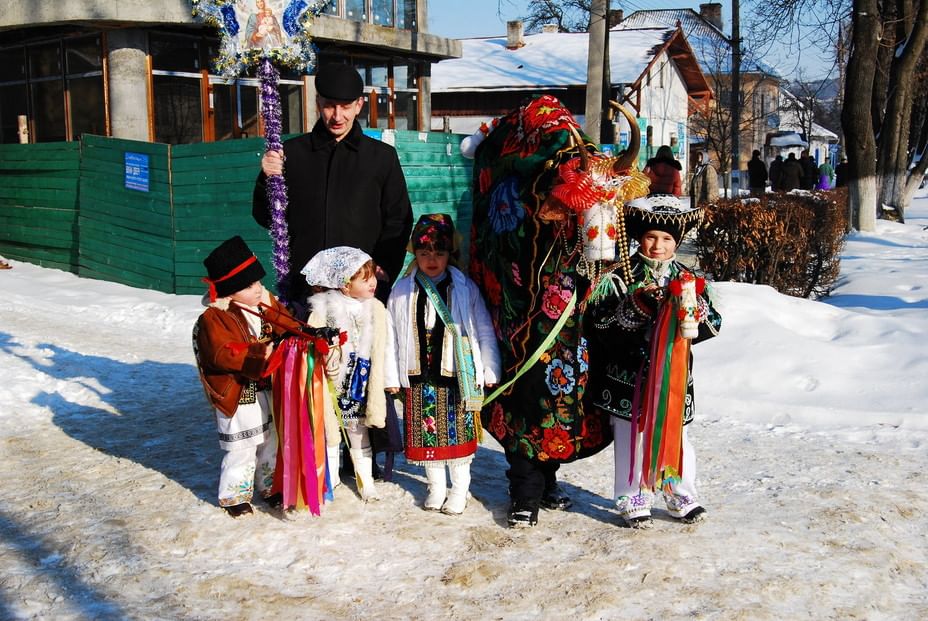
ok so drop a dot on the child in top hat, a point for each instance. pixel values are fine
(437, 315)
(641, 362)
(344, 280)
(232, 341)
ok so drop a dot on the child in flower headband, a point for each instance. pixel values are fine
(444, 356)
(642, 333)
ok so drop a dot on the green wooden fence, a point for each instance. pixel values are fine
(39, 203)
(66, 205)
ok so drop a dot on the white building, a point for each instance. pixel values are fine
(651, 70)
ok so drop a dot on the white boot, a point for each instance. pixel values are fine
(460, 484)
(438, 487)
(332, 457)
(363, 471)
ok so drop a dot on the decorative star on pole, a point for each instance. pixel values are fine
(262, 34)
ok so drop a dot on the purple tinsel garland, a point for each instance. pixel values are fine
(276, 186)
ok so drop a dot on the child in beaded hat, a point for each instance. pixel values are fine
(641, 363)
(232, 341)
(436, 312)
(344, 280)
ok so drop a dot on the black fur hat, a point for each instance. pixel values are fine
(232, 266)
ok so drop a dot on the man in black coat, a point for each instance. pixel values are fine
(809, 171)
(841, 173)
(757, 175)
(343, 188)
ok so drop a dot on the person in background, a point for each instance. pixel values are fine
(757, 175)
(664, 172)
(776, 173)
(437, 314)
(842, 170)
(809, 171)
(704, 186)
(790, 174)
(826, 177)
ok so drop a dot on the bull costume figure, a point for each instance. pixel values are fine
(547, 227)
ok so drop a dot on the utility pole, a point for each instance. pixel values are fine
(594, 69)
(735, 97)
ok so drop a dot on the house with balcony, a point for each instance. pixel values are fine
(141, 70)
(760, 83)
(653, 71)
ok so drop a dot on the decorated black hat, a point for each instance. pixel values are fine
(661, 212)
(339, 82)
(232, 266)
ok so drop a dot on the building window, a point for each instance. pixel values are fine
(85, 87)
(382, 13)
(355, 10)
(178, 118)
(176, 78)
(406, 97)
(13, 93)
(395, 92)
(399, 14)
(47, 92)
(406, 14)
(236, 111)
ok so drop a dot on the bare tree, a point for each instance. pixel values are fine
(886, 43)
(713, 126)
(568, 15)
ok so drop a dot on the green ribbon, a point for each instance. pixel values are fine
(549, 339)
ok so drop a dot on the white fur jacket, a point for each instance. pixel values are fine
(470, 317)
(365, 322)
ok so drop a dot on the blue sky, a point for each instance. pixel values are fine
(484, 18)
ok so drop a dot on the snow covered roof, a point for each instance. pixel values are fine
(547, 60)
(787, 139)
(711, 46)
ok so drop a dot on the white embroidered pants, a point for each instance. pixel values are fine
(635, 502)
(246, 469)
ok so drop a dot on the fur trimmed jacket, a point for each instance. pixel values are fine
(365, 323)
(470, 316)
(229, 356)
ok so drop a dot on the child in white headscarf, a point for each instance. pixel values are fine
(344, 280)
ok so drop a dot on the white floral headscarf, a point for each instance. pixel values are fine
(333, 267)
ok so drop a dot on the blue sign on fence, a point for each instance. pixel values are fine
(136, 171)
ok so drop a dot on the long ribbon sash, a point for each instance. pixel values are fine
(662, 400)
(298, 413)
(471, 394)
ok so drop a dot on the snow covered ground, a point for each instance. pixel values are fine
(812, 436)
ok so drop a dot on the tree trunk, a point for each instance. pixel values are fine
(856, 117)
(895, 131)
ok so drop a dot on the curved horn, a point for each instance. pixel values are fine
(581, 147)
(630, 154)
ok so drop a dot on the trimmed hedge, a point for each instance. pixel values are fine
(791, 242)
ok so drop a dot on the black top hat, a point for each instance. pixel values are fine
(339, 82)
(232, 266)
